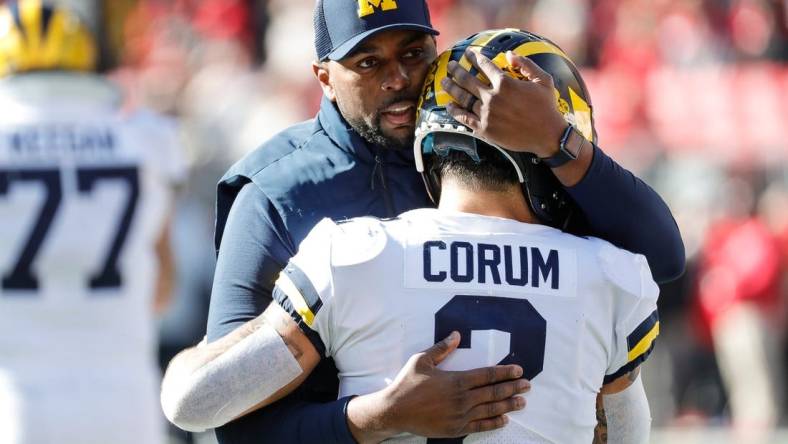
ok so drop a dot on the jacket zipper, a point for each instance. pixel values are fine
(386, 194)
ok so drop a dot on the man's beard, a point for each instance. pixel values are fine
(373, 133)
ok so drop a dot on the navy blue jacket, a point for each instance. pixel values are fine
(270, 200)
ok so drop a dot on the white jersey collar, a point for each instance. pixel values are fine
(472, 222)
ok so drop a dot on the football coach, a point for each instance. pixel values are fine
(355, 158)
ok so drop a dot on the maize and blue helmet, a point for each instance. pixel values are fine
(41, 37)
(437, 132)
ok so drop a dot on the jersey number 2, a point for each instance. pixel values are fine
(21, 276)
(526, 327)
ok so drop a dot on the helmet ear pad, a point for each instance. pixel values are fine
(432, 180)
(548, 199)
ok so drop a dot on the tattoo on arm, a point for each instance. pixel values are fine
(633, 374)
(600, 431)
(281, 324)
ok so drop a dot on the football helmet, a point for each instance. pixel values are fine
(437, 132)
(39, 37)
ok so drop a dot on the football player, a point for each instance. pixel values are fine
(488, 271)
(86, 190)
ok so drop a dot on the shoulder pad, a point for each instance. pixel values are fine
(357, 240)
(626, 270)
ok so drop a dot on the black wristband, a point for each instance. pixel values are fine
(564, 155)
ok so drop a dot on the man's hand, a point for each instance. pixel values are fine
(519, 114)
(426, 401)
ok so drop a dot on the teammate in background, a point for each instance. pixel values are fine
(355, 159)
(567, 312)
(86, 191)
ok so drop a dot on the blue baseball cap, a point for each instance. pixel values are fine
(341, 25)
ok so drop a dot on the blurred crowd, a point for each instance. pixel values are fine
(689, 94)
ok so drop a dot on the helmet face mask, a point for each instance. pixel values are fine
(39, 37)
(546, 197)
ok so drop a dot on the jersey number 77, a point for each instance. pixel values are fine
(21, 276)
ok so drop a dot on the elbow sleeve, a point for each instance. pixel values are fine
(175, 401)
(243, 376)
(628, 415)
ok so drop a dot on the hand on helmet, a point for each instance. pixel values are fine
(516, 114)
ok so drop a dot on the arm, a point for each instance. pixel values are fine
(621, 404)
(270, 353)
(172, 166)
(623, 412)
(636, 219)
(166, 279)
(251, 253)
(618, 206)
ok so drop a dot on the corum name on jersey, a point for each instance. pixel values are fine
(497, 264)
(54, 140)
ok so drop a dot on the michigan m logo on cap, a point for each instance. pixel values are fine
(367, 7)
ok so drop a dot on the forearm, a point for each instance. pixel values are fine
(600, 431)
(165, 283)
(367, 418)
(292, 420)
(208, 386)
(192, 359)
(628, 415)
(625, 211)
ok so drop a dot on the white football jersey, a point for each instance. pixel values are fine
(573, 312)
(85, 189)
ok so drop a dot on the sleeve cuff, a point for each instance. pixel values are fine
(590, 175)
(281, 298)
(342, 429)
(628, 367)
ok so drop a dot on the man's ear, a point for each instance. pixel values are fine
(320, 69)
